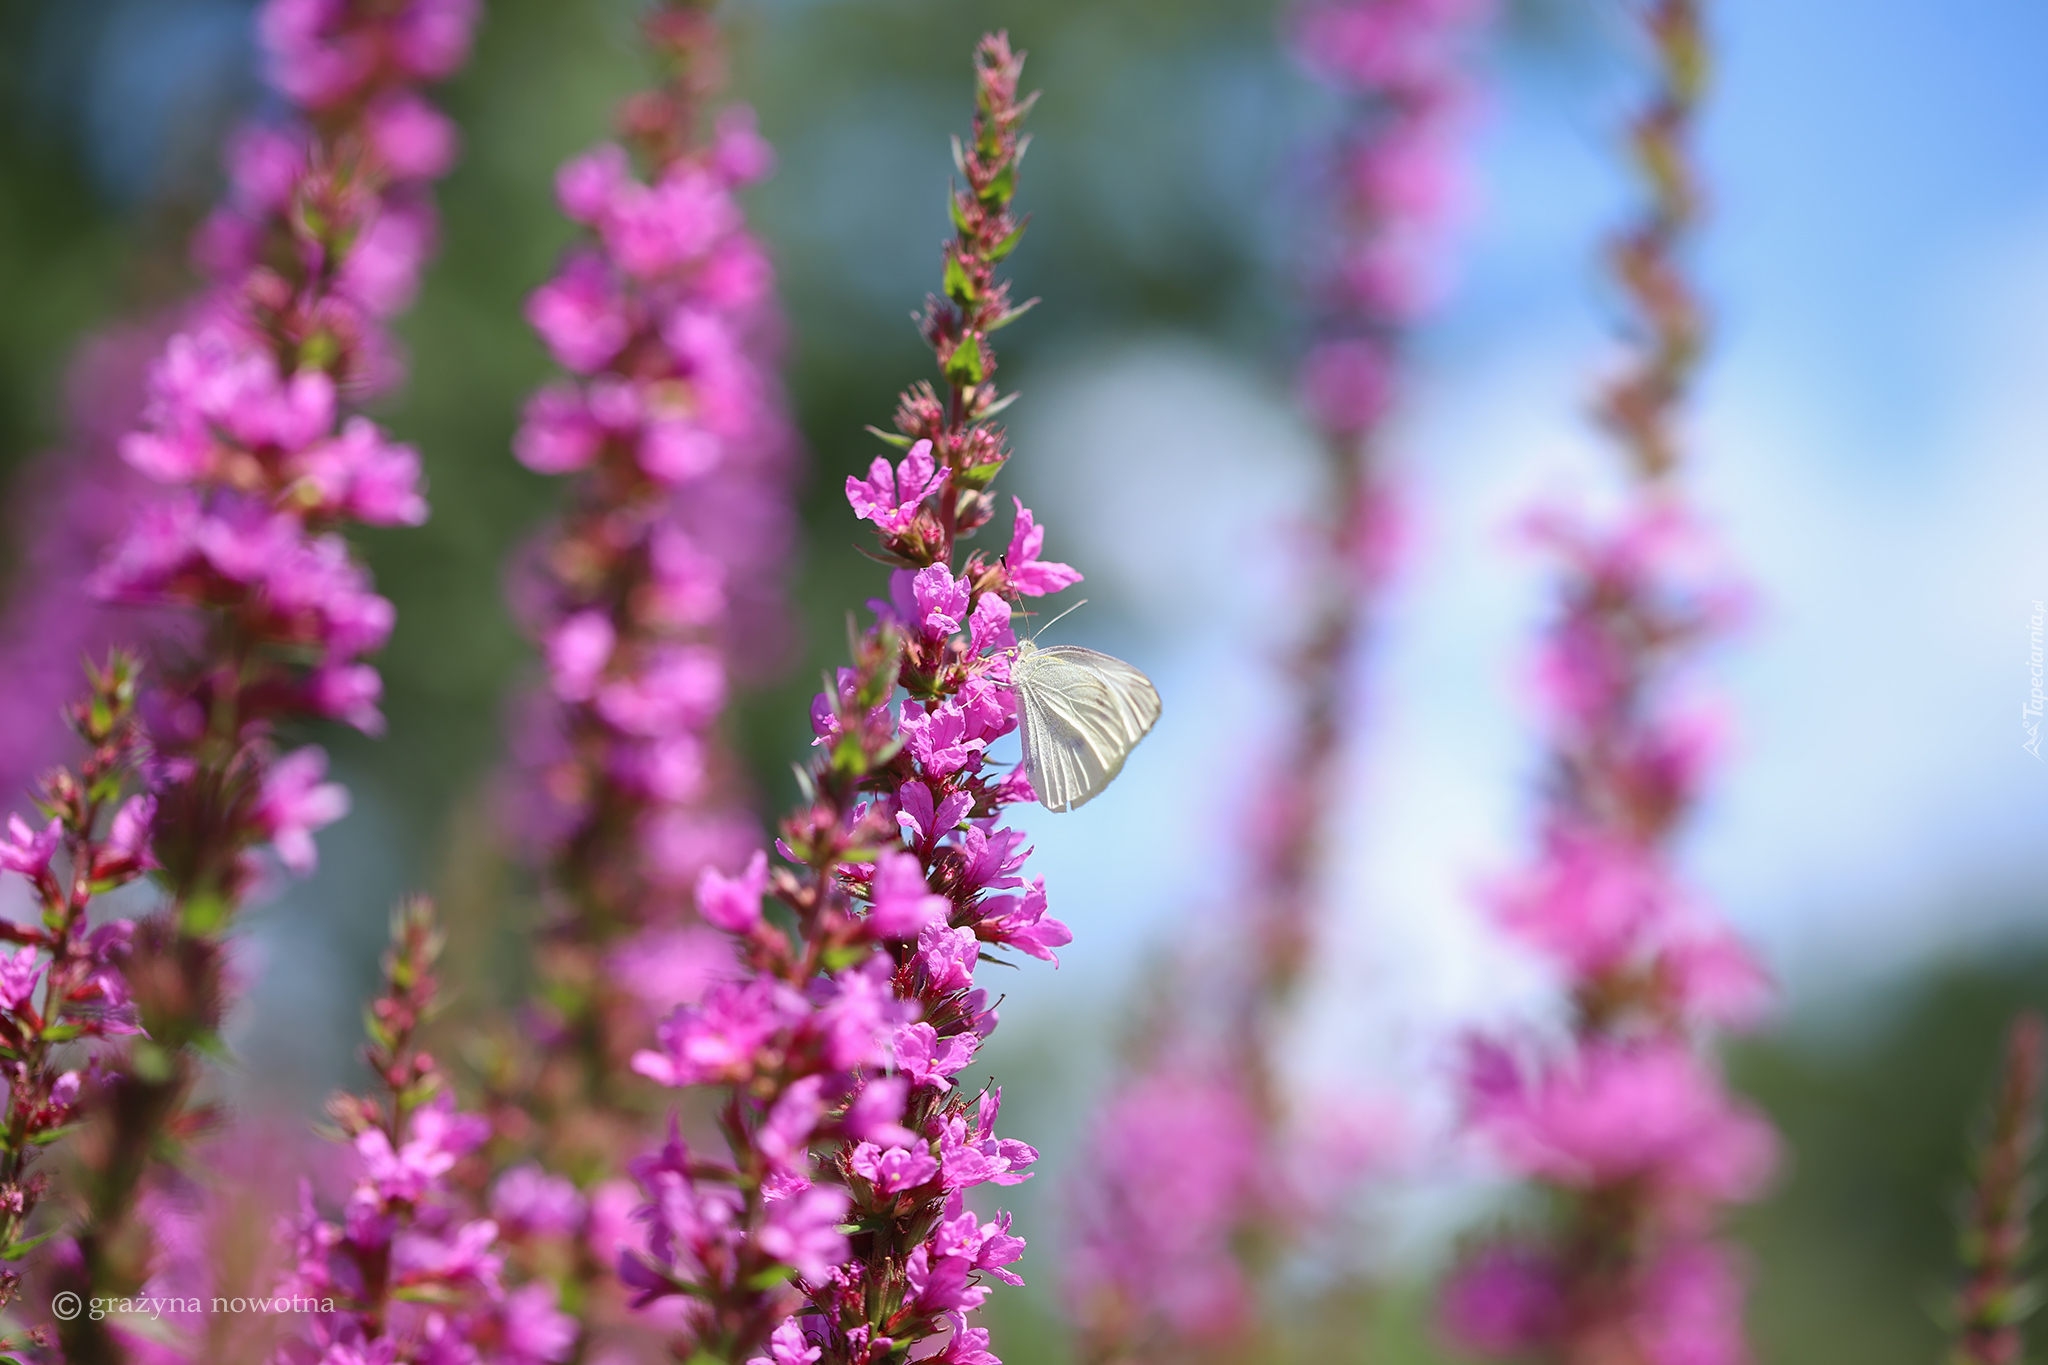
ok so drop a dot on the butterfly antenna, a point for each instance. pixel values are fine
(1057, 619)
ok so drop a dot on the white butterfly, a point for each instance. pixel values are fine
(1083, 713)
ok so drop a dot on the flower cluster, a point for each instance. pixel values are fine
(61, 979)
(1179, 1164)
(408, 1273)
(322, 236)
(1632, 1124)
(838, 1228)
(661, 584)
(1174, 1219)
(1634, 1121)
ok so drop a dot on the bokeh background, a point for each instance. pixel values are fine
(1870, 439)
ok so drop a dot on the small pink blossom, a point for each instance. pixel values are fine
(19, 973)
(902, 903)
(1030, 575)
(295, 802)
(414, 140)
(733, 903)
(718, 1040)
(894, 1170)
(579, 314)
(577, 652)
(803, 1231)
(527, 1200)
(890, 497)
(27, 850)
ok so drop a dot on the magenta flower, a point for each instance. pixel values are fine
(28, 851)
(890, 497)
(20, 972)
(295, 802)
(527, 1200)
(733, 903)
(719, 1039)
(802, 1231)
(1615, 1113)
(1030, 575)
(903, 905)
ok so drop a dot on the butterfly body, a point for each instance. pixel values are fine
(1082, 712)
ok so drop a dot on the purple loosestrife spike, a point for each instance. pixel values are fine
(62, 983)
(1198, 1182)
(409, 1271)
(1630, 1124)
(834, 1227)
(327, 222)
(1997, 1230)
(658, 592)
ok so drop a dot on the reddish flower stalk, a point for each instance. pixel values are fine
(850, 1018)
(1632, 1127)
(664, 577)
(322, 238)
(1195, 1191)
(1998, 1227)
(94, 842)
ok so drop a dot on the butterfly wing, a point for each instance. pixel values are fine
(1084, 711)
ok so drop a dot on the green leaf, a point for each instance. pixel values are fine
(955, 207)
(58, 1134)
(900, 441)
(15, 1251)
(1019, 311)
(958, 284)
(62, 1033)
(772, 1276)
(1002, 188)
(1007, 245)
(151, 1062)
(204, 914)
(967, 365)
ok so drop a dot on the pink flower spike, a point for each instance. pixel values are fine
(1030, 575)
(903, 903)
(733, 903)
